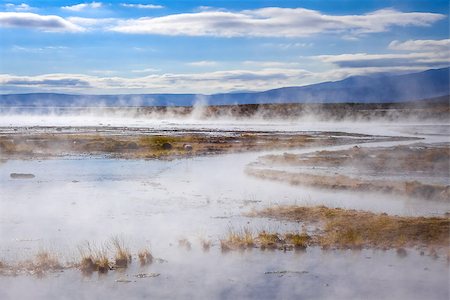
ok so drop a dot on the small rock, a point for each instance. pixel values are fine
(21, 175)
(187, 147)
(401, 252)
(166, 146)
(132, 145)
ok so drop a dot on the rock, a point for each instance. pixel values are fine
(187, 147)
(401, 252)
(132, 145)
(21, 175)
(166, 146)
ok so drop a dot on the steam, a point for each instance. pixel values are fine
(135, 112)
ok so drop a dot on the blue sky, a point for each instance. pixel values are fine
(110, 47)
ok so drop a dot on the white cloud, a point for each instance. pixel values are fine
(142, 6)
(274, 22)
(287, 46)
(264, 22)
(364, 60)
(104, 72)
(17, 48)
(18, 7)
(92, 23)
(271, 64)
(83, 6)
(147, 70)
(35, 21)
(421, 45)
(202, 63)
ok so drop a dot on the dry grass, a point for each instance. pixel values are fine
(184, 243)
(145, 257)
(268, 240)
(122, 254)
(298, 240)
(42, 263)
(238, 239)
(352, 229)
(244, 239)
(206, 244)
(44, 145)
(93, 259)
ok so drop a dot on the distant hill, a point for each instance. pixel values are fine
(358, 89)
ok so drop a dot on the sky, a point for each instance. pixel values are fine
(207, 47)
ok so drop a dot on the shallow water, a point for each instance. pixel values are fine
(251, 274)
(156, 203)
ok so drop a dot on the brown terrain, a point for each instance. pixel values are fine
(132, 145)
(342, 228)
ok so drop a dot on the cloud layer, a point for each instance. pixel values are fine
(273, 22)
(206, 82)
(142, 6)
(426, 53)
(18, 7)
(38, 22)
(421, 45)
(264, 22)
(83, 6)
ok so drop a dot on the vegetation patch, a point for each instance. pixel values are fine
(246, 239)
(42, 263)
(184, 144)
(339, 228)
(237, 239)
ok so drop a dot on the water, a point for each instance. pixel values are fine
(155, 203)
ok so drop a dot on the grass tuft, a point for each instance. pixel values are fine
(299, 240)
(145, 257)
(93, 259)
(206, 244)
(240, 239)
(122, 254)
(268, 240)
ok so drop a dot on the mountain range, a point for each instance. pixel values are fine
(385, 88)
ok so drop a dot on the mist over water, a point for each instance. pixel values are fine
(156, 203)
